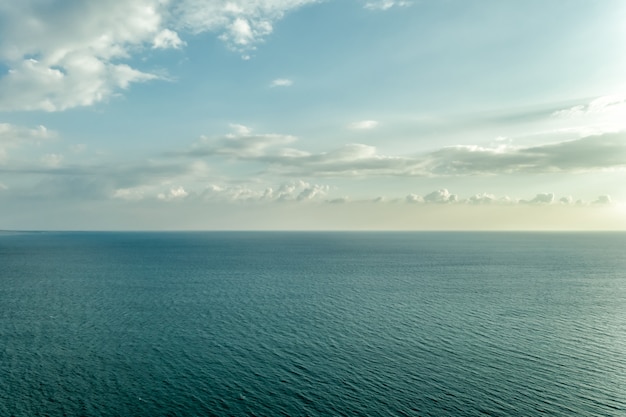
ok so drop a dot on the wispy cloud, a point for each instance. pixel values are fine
(386, 4)
(599, 105)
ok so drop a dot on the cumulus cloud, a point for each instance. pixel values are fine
(167, 39)
(289, 191)
(363, 125)
(281, 82)
(603, 199)
(67, 54)
(385, 4)
(482, 198)
(414, 198)
(242, 24)
(176, 193)
(543, 198)
(63, 54)
(441, 196)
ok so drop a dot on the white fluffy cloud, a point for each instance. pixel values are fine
(167, 39)
(441, 196)
(63, 54)
(241, 23)
(67, 54)
(289, 191)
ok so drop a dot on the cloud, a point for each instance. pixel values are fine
(443, 196)
(167, 39)
(589, 153)
(177, 193)
(241, 143)
(605, 114)
(599, 105)
(483, 198)
(603, 200)
(414, 198)
(289, 191)
(13, 136)
(136, 193)
(386, 4)
(242, 23)
(66, 54)
(281, 82)
(440, 196)
(542, 198)
(277, 153)
(353, 159)
(52, 160)
(363, 125)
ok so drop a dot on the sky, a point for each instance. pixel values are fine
(312, 115)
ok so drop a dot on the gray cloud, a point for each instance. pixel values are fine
(13, 136)
(590, 153)
(585, 154)
(242, 144)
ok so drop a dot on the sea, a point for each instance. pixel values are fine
(312, 324)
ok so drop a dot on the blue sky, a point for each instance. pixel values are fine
(307, 114)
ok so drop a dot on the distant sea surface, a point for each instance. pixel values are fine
(312, 324)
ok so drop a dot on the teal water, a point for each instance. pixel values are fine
(317, 324)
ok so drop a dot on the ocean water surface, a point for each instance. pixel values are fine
(312, 324)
